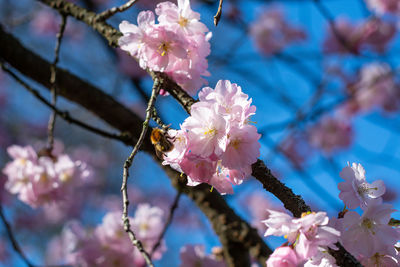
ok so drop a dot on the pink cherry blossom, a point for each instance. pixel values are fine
(374, 34)
(378, 260)
(216, 144)
(308, 233)
(178, 45)
(280, 224)
(314, 233)
(377, 34)
(283, 257)
(42, 180)
(206, 130)
(229, 101)
(163, 46)
(384, 6)
(180, 17)
(355, 191)
(350, 35)
(370, 233)
(243, 147)
(376, 87)
(331, 134)
(321, 259)
(272, 33)
(134, 37)
(194, 256)
(109, 244)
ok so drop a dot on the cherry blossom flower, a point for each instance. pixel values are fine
(134, 37)
(308, 234)
(206, 131)
(194, 256)
(41, 179)
(180, 17)
(370, 233)
(283, 257)
(321, 259)
(272, 33)
(331, 134)
(216, 144)
(109, 245)
(178, 45)
(376, 87)
(355, 191)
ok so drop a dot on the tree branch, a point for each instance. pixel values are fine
(14, 242)
(112, 11)
(127, 165)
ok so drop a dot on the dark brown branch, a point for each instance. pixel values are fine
(217, 16)
(112, 11)
(128, 163)
(291, 201)
(13, 241)
(112, 35)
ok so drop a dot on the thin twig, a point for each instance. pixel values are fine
(53, 87)
(112, 11)
(217, 16)
(63, 114)
(127, 165)
(14, 242)
(174, 206)
(158, 120)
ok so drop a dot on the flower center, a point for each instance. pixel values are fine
(65, 177)
(363, 189)
(183, 22)
(236, 143)
(164, 48)
(210, 132)
(144, 227)
(368, 224)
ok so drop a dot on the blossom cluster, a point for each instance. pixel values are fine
(308, 239)
(374, 34)
(108, 244)
(272, 33)
(43, 179)
(384, 6)
(216, 144)
(368, 237)
(178, 45)
(375, 87)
